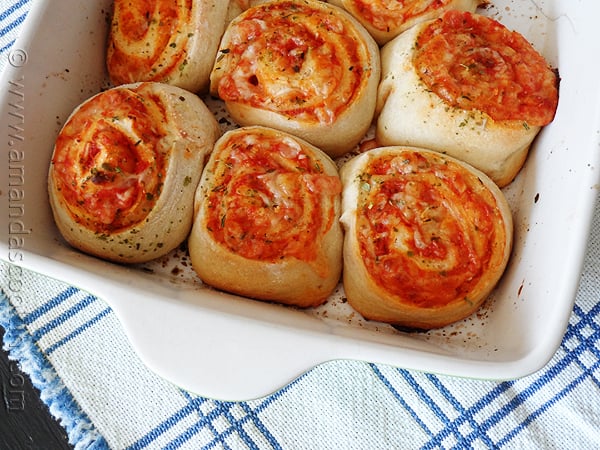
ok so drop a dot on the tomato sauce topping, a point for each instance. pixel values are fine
(427, 228)
(148, 39)
(271, 199)
(386, 15)
(108, 162)
(474, 62)
(295, 59)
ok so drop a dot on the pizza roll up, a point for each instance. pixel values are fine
(300, 66)
(427, 236)
(385, 19)
(267, 210)
(125, 168)
(173, 42)
(466, 85)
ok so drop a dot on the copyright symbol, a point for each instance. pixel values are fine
(17, 58)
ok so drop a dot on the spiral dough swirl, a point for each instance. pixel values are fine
(109, 160)
(302, 60)
(474, 62)
(384, 15)
(148, 40)
(427, 228)
(270, 199)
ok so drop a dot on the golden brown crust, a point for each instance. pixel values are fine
(313, 73)
(266, 219)
(427, 237)
(125, 168)
(411, 113)
(385, 21)
(173, 43)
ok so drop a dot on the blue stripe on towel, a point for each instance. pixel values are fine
(6, 47)
(584, 329)
(545, 407)
(78, 331)
(7, 12)
(251, 415)
(466, 416)
(221, 409)
(206, 421)
(167, 424)
(21, 347)
(11, 26)
(49, 305)
(195, 429)
(64, 317)
(401, 400)
(79, 306)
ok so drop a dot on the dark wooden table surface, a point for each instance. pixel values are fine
(25, 422)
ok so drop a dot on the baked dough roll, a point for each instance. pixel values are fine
(236, 7)
(386, 19)
(125, 169)
(266, 222)
(173, 42)
(465, 85)
(304, 67)
(427, 236)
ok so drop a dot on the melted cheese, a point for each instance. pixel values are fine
(297, 59)
(270, 198)
(474, 62)
(386, 15)
(148, 40)
(109, 161)
(427, 228)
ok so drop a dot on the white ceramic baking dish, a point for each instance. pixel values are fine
(234, 348)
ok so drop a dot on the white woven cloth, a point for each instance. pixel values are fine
(73, 347)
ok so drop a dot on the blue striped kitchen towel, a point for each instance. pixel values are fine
(73, 347)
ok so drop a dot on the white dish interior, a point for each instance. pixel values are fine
(233, 348)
